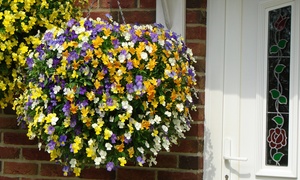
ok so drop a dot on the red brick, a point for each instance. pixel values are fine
(200, 82)
(198, 32)
(186, 146)
(51, 170)
(130, 174)
(148, 3)
(9, 153)
(8, 123)
(163, 175)
(199, 49)
(200, 66)
(197, 130)
(35, 154)
(198, 115)
(166, 161)
(8, 178)
(9, 110)
(195, 16)
(20, 168)
(196, 4)
(199, 100)
(190, 162)
(94, 173)
(17, 138)
(140, 17)
(95, 14)
(114, 4)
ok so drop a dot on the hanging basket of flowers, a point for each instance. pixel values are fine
(105, 93)
(20, 21)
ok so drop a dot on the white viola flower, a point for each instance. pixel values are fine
(128, 56)
(97, 161)
(161, 42)
(124, 44)
(121, 58)
(111, 119)
(91, 142)
(40, 146)
(166, 144)
(130, 44)
(189, 98)
(144, 55)
(96, 100)
(102, 154)
(151, 161)
(165, 128)
(180, 107)
(149, 49)
(121, 124)
(147, 144)
(172, 61)
(141, 150)
(125, 104)
(49, 62)
(129, 97)
(153, 150)
(54, 120)
(127, 135)
(78, 30)
(73, 163)
(129, 109)
(137, 125)
(168, 113)
(108, 146)
(157, 119)
(119, 72)
(56, 89)
(41, 117)
(127, 36)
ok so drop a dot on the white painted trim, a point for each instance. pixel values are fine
(215, 53)
(172, 14)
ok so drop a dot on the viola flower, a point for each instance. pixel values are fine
(104, 93)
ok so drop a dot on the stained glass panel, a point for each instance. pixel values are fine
(279, 37)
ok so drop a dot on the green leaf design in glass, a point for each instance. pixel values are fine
(279, 68)
(275, 93)
(278, 120)
(282, 43)
(282, 99)
(277, 156)
(274, 49)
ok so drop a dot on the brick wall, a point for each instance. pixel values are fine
(21, 160)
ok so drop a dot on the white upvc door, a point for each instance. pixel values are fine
(244, 109)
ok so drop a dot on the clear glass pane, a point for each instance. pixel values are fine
(279, 37)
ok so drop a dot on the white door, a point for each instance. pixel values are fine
(252, 90)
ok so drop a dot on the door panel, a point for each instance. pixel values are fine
(258, 104)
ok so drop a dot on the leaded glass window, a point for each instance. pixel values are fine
(279, 38)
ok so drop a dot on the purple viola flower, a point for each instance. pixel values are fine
(129, 88)
(51, 145)
(127, 141)
(140, 160)
(159, 25)
(86, 46)
(110, 166)
(113, 138)
(84, 103)
(158, 81)
(30, 63)
(109, 102)
(71, 148)
(191, 72)
(78, 130)
(66, 108)
(62, 140)
(71, 22)
(73, 121)
(51, 130)
(116, 43)
(138, 78)
(154, 37)
(72, 56)
(88, 24)
(168, 45)
(129, 65)
(48, 36)
(66, 170)
(82, 90)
